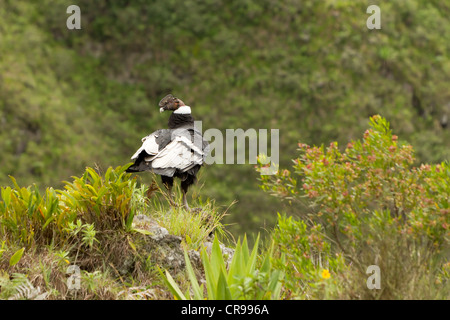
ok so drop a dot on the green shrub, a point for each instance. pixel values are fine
(105, 201)
(90, 224)
(304, 255)
(30, 218)
(374, 208)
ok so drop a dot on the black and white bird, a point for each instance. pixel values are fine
(179, 151)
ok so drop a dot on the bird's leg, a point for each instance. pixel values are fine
(168, 183)
(184, 187)
(169, 189)
(185, 203)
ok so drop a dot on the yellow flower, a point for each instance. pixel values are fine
(326, 274)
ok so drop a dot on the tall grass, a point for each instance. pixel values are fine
(194, 226)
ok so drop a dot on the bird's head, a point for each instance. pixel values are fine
(170, 102)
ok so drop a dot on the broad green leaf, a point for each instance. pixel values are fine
(15, 184)
(47, 222)
(217, 262)
(188, 240)
(245, 252)
(172, 285)
(143, 231)
(198, 291)
(265, 267)
(16, 257)
(251, 263)
(108, 173)
(129, 221)
(6, 195)
(223, 291)
(132, 245)
(3, 248)
(236, 264)
(209, 275)
(275, 283)
(90, 187)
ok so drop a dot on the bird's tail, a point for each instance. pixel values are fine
(131, 169)
(135, 167)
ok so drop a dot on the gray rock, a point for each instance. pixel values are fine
(158, 233)
(226, 252)
(165, 248)
(194, 257)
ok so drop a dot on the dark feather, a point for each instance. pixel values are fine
(181, 150)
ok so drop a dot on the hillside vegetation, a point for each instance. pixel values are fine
(76, 98)
(108, 236)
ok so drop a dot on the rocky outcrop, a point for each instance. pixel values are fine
(165, 249)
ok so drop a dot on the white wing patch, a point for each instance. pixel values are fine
(180, 153)
(149, 145)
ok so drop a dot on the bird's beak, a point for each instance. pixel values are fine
(161, 110)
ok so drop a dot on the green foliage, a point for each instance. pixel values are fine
(70, 99)
(62, 257)
(10, 285)
(3, 248)
(306, 255)
(15, 258)
(87, 230)
(241, 279)
(28, 217)
(91, 224)
(374, 207)
(104, 201)
(193, 226)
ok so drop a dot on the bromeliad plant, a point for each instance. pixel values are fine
(243, 279)
(104, 201)
(27, 217)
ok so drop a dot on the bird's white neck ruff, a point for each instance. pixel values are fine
(183, 110)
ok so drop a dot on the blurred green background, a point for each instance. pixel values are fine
(76, 98)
